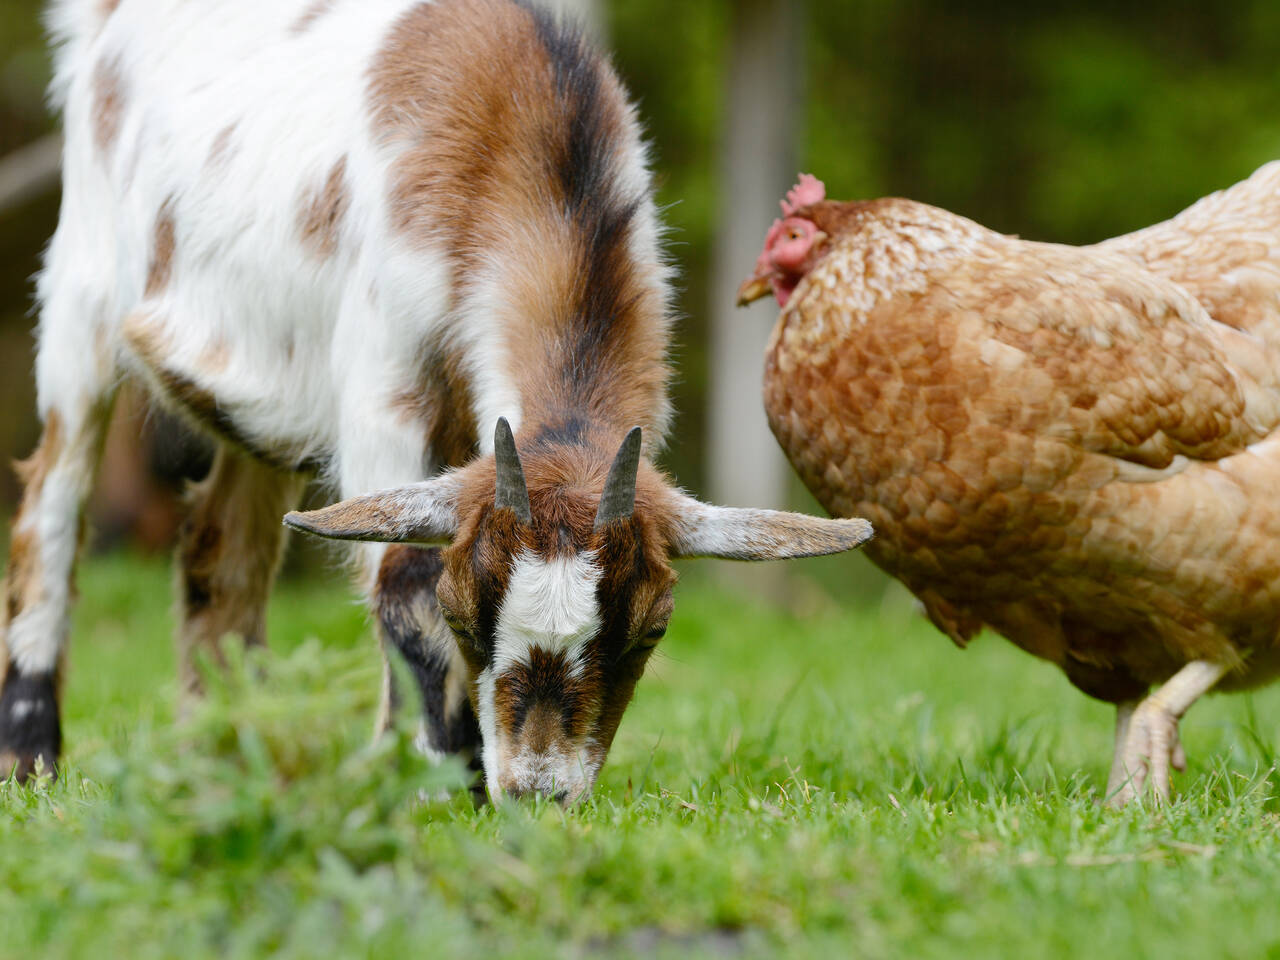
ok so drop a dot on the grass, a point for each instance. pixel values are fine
(842, 783)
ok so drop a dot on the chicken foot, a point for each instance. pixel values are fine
(1147, 743)
(1118, 776)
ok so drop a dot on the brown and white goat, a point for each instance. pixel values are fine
(351, 237)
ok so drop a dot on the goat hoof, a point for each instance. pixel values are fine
(30, 732)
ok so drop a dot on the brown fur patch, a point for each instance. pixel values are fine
(616, 695)
(215, 357)
(183, 391)
(543, 727)
(321, 212)
(402, 572)
(441, 400)
(22, 585)
(33, 470)
(160, 269)
(108, 103)
(228, 553)
(313, 12)
(545, 680)
(23, 581)
(436, 72)
(222, 149)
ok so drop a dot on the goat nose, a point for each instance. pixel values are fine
(520, 792)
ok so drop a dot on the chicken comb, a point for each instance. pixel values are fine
(808, 191)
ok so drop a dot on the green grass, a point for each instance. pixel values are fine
(842, 783)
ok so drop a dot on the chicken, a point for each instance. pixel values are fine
(1078, 447)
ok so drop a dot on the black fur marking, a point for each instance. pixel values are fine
(605, 275)
(571, 431)
(402, 589)
(584, 151)
(29, 724)
(198, 595)
(448, 734)
(545, 678)
(582, 157)
(198, 552)
(489, 593)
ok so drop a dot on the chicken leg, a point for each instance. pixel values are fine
(1147, 743)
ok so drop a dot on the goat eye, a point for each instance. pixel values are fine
(653, 636)
(457, 626)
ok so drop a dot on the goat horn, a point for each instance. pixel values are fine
(618, 501)
(510, 490)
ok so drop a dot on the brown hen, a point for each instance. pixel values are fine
(1078, 447)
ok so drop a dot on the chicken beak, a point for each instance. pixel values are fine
(753, 288)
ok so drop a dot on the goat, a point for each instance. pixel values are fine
(357, 240)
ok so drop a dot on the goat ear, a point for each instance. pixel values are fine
(425, 513)
(736, 533)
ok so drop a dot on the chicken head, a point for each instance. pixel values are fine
(789, 247)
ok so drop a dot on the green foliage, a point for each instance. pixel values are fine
(24, 73)
(784, 785)
(1066, 122)
(229, 823)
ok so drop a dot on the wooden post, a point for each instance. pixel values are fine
(30, 171)
(758, 164)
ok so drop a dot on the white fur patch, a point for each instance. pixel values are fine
(487, 720)
(22, 708)
(422, 743)
(550, 604)
(567, 772)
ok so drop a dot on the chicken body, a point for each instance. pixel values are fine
(1078, 447)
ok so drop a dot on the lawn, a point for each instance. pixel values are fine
(839, 783)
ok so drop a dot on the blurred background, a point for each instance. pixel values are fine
(1053, 120)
